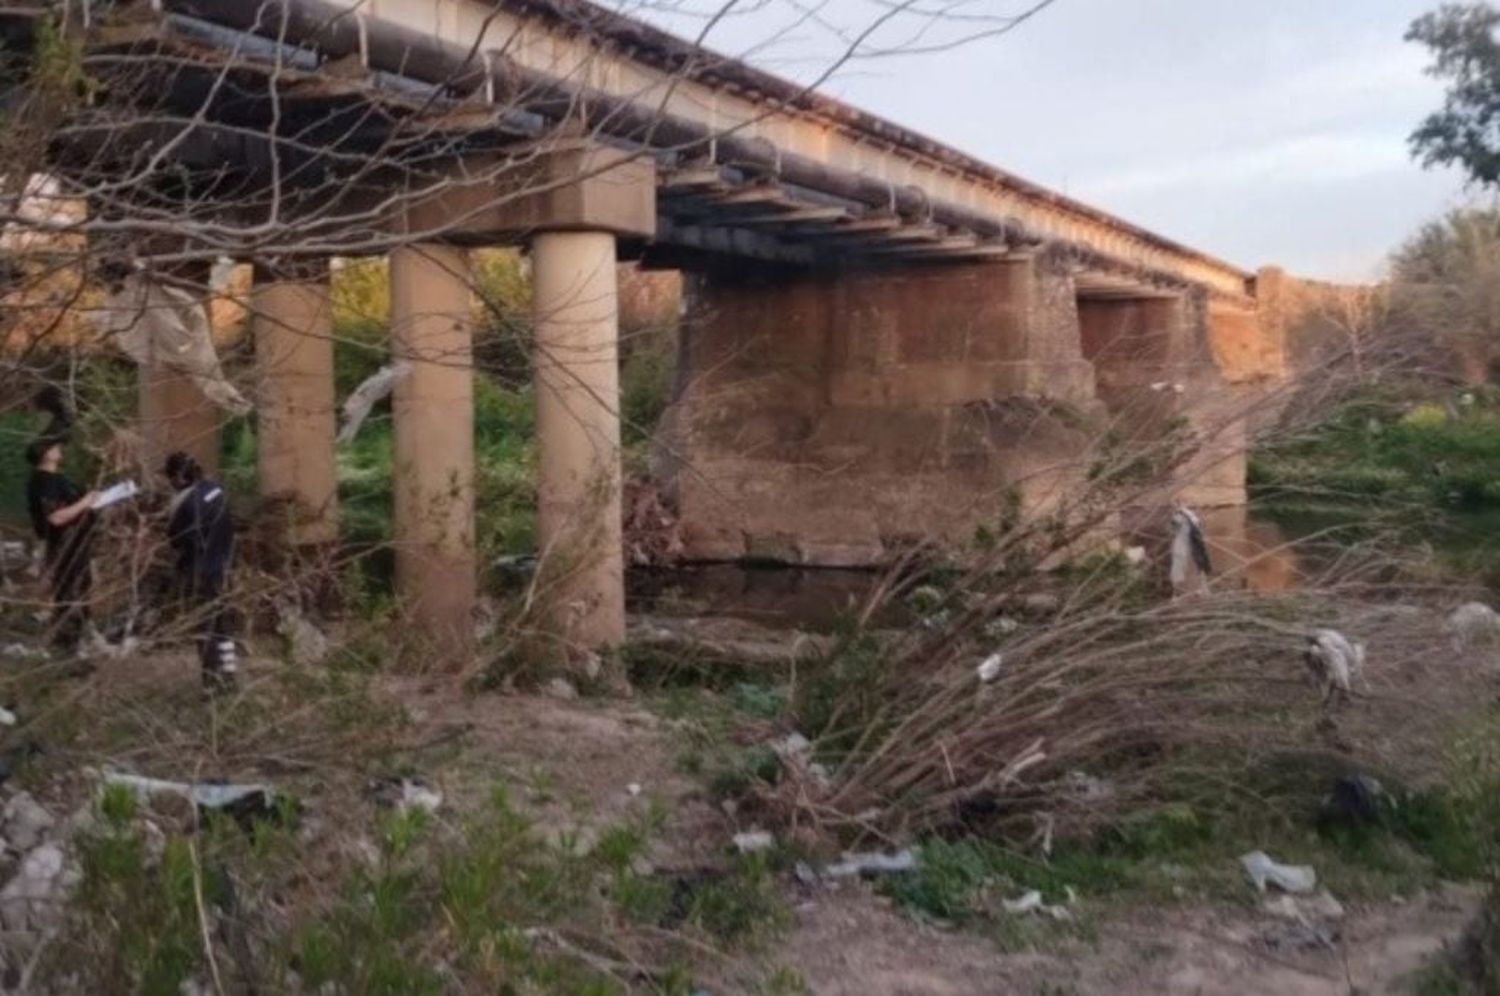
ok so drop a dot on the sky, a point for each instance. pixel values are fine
(1258, 131)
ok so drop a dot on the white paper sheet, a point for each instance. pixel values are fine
(116, 493)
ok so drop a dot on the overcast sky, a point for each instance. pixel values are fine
(1260, 131)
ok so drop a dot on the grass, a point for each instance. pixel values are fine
(469, 900)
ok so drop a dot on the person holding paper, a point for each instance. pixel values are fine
(63, 516)
(202, 534)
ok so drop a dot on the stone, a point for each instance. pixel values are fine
(32, 900)
(26, 822)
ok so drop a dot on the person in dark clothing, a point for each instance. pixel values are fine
(62, 515)
(202, 535)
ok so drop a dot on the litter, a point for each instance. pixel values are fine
(7, 718)
(1032, 902)
(152, 322)
(1086, 787)
(375, 388)
(633, 789)
(406, 794)
(24, 652)
(753, 841)
(873, 863)
(792, 746)
(1028, 902)
(243, 802)
(1135, 556)
(1289, 878)
(989, 668)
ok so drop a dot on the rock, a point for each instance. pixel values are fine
(306, 644)
(562, 689)
(1474, 623)
(1297, 938)
(26, 822)
(33, 899)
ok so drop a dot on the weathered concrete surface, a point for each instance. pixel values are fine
(431, 328)
(292, 317)
(575, 306)
(832, 421)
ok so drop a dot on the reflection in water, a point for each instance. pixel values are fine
(1247, 551)
(1251, 549)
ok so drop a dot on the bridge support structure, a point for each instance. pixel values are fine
(292, 325)
(433, 470)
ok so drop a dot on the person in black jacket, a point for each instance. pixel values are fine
(202, 536)
(62, 515)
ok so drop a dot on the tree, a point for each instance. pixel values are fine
(1466, 54)
(1445, 286)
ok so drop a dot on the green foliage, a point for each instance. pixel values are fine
(1466, 56)
(486, 906)
(1376, 448)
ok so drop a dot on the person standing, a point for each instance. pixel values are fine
(202, 535)
(63, 516)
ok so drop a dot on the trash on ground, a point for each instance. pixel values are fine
(1263, 870)
(1135, 556)
(244, 802)
(24, 652)
(1032, 902)
(989, 668)
(7, 717)
(406, 794)
(873, 863)
(1355, 799)
(1086, 788)
(561, 688)
(753, 841)
(792, 746)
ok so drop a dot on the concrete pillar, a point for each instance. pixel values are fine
(292, 317)
(174, 413)
(432, 328)
(576, 307)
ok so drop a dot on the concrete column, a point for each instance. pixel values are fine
(432, 328)
(174, 413)
(293, 327)
(576, 306)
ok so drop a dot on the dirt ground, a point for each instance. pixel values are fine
(578, 765)
(848, 941)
